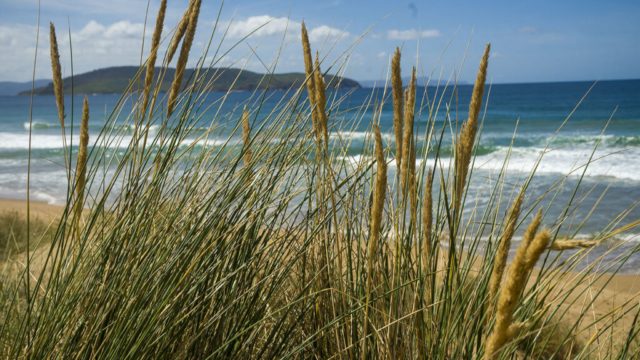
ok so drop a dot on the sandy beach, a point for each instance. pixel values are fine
(39, 210)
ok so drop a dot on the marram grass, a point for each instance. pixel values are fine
(81, 165)
(246, 136)
(151, 61)
(190, 32)
(57, 73)
(379, 195)
(407, 133)
(178, 34)
(58, 86)
(466, 140)
(275, 248)
(572, 244)
(526, 256)
(398, 107)
(320, 101)
(504, 246)
(310, 74)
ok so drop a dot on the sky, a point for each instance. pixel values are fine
(531, 41)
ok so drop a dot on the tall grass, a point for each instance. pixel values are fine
(274, 247)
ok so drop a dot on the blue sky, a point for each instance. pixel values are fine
(532, 41)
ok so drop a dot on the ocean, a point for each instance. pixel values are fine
(527, 115)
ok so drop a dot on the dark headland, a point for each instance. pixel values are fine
(115, 80)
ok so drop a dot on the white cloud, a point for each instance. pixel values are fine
(95, 46)
(16, 35)
(17, 49)
(411, 34)
(98, 44)
(325, 32)
(527, 29)
(262, 25)
(124, 29)
(382, 55)
(265, 25)
(117, 31)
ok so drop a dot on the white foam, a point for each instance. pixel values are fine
(37, 124)
(359, 135)
(612, 161)
(210, 142)
(13, 141)
(153, 129)
(36, 195)
(355, 159)
(18, 141)
(45, 197)
(615, 162)
(360, 159)
(606, 161)
(21, 141)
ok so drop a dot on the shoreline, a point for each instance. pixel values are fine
(38, 209)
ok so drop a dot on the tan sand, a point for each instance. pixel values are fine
(37, 209)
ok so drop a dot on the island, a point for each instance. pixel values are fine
(115, 80)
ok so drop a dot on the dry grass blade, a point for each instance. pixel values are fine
(194, 12)
(500, 261)
(246, 136)
(180, 30)
(81, 166)
(532, 229)
(560, 245)
(320, 98)
(516, 328)
(57, 74)
(464, 147)
(157, 164)
(413, 191)
(527, 255)
(398, 117)
(151, 62)
(537, 247)
(407, 138)
(309, 72)
(427, 223)
(379, 194)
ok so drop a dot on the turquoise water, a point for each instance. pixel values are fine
(537, 110)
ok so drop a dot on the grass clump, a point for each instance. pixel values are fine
(13, 233)
(270, 246)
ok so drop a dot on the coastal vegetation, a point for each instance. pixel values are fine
(276, 247)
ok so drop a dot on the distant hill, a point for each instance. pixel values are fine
(116, 79)
(11, 88)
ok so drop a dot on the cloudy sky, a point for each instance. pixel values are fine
(532, 41)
